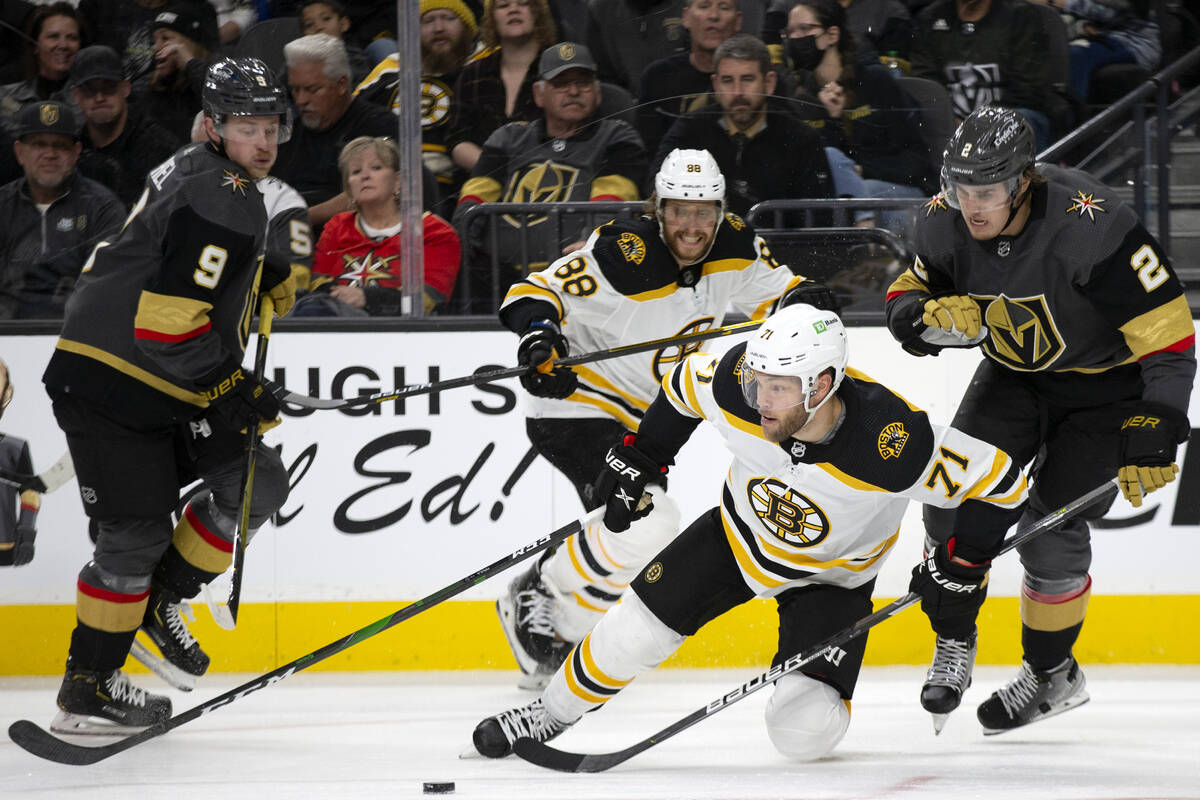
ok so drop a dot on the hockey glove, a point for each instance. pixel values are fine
(279, 282)
(621, 485)
(238, 399)
(956, 313)
(951, 592)
(539, 346)
(1148, 442)
(817, 295)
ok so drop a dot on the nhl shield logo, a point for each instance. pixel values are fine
(1022, 333)
(1003, 248)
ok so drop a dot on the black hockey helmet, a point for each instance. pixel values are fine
(991, 145)
(245, 87)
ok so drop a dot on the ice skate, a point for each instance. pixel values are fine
(1033, 695)
(105, 704)
(948, 678)
(175, 655)
(494, 737)
(525, 611)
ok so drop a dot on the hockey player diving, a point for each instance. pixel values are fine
(675, 270)
(825, 461)
(147, 384)
(1089, 359)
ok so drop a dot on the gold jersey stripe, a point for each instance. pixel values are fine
(526, 289)
(1159, 328)
(197, 550)
(607, 406)
(137, 373)
(486, 189)
(575, 687)
(599, 382)
(849, 480)
(615, 186)
(907, 282)
(1054, 616)
(107, 616)
(864, 377)
(597, 675)
(170, 315)
(745, 561)
(726, 265)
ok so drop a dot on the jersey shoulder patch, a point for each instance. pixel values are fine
(887, 442)
(632, 256)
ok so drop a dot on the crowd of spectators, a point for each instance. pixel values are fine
(521, 101)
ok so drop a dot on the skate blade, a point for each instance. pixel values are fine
(1072, 702)
(183, 681)
(96, 730)
(939, 722)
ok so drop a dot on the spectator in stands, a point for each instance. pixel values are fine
(447, 37)
(987, 52)
(496, 87)
(678, 84)
(13, 16)
(127, 26)
(233, 18)
(171, 93)
(880, 27)
(565, 154)
(53, 216)
(329, 16)
(329, 116)
(626, 35)
(1111, 32)
(54, 34)
(120, 144)
(764, 151)
(356, 269)
(857, 106)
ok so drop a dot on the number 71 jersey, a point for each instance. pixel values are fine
(800, 512)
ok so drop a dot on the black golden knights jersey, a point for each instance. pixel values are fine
(800, 512)
(624, 286)
(520, 163)
(167, 300)
(1082, 288)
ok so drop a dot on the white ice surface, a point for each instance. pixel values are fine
(331, 735)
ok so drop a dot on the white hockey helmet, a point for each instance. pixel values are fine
(797, 341)
(690, 175)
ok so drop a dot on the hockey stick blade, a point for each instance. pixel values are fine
(53, 478)
(43, 744)
(543, 755)
(219, 613)
(490, 376)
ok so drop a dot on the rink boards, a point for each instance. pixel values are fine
(393, 502)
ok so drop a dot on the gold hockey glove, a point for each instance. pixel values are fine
(957, 313)
(1148, 442)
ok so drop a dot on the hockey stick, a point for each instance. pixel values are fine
(305, 401)
(43, 744)
(543, 755)
(54, 477)
(226, 615)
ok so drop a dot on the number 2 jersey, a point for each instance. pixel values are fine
(801, 512)
(164, 303)
(624, 286)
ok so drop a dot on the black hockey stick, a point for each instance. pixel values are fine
(54, 477)
(490, 376)
(545, 756)
(226, 615)
(43, 744)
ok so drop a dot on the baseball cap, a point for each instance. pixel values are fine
(558, 58)
(96, 63)
(46, 116)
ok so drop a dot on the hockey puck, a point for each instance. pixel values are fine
(438, 787)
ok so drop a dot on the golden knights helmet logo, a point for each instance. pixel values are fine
(1022, 334)
(666, 358)
(786, 513)
(48, 114)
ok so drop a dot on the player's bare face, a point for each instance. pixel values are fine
(513, 18)
(689, 227)
(370, 181)
(985, 209)
(252, 143)
(780, 403)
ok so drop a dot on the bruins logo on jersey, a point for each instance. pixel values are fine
(734, 221)
(892, 439)
(935, 204)
(632, 247)
(435, 102)
(1086, 204)
(1022, 333)
(786, 513)
(666, 358)
(546, 182)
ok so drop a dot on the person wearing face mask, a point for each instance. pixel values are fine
(857, 106)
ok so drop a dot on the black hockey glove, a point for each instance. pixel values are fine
(238, 399)
(1148, 442)
(951, 593)
(621, 485)
(814, 294)
(21, 552)
(539, 346)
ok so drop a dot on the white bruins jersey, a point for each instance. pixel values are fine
(797, 512)
(624, 286)
(289, 236)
